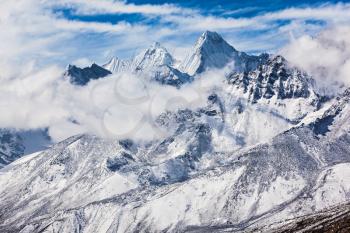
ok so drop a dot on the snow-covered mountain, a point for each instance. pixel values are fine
(155, 56)
(333, 219)
(275, 78)
(266, 147)
(152, 57)
(116, 65)
(15, 144)
(212, 51)
(11, 147)
(156, 62)
(96, 185)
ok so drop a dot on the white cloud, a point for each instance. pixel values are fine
(117, 106)
(339, 12)
(109, 6)
(31, 30)
(326, 57)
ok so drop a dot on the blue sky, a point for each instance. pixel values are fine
(81, 32)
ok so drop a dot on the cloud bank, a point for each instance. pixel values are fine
(326, 57)
(118, 106)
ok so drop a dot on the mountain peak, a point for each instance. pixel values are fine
(277, 78)
(155, 55)
(212, 51)
(81, 76)
(209, 38)
(116, 65)
(278, 59)
(209, 35)
(156, 45)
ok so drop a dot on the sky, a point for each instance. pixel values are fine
(39, 38)
(81, 32)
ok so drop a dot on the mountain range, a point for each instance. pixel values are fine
(265, 152)
(210, 51)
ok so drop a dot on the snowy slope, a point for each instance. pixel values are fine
(263, 148)
(116, 65)
(155, 62)
(212, 51)
(152, 57)
(97, 185)
(155, 56)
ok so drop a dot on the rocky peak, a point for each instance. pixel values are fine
(274, 78)
(81, 76)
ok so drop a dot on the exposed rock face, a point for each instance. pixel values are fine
(81, 76)
(273, 78)
(330, 220)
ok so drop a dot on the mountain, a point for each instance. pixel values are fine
(155, 56)
(274, 78)
(15, 144)
(212, 51)
(155, 62)
(265, 149)
(81, 76)
(90, 184)
(11, 147)
(333, 219)
(210, 173)
(116, 65)
(152, 57)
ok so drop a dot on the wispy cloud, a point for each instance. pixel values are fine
(326, 57)
(32, 30)
(108, 6)
(339, 12)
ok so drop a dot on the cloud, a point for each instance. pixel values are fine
(32, 31)
(118, 106)
(329, 12)
(326, 57)
(107, 6)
